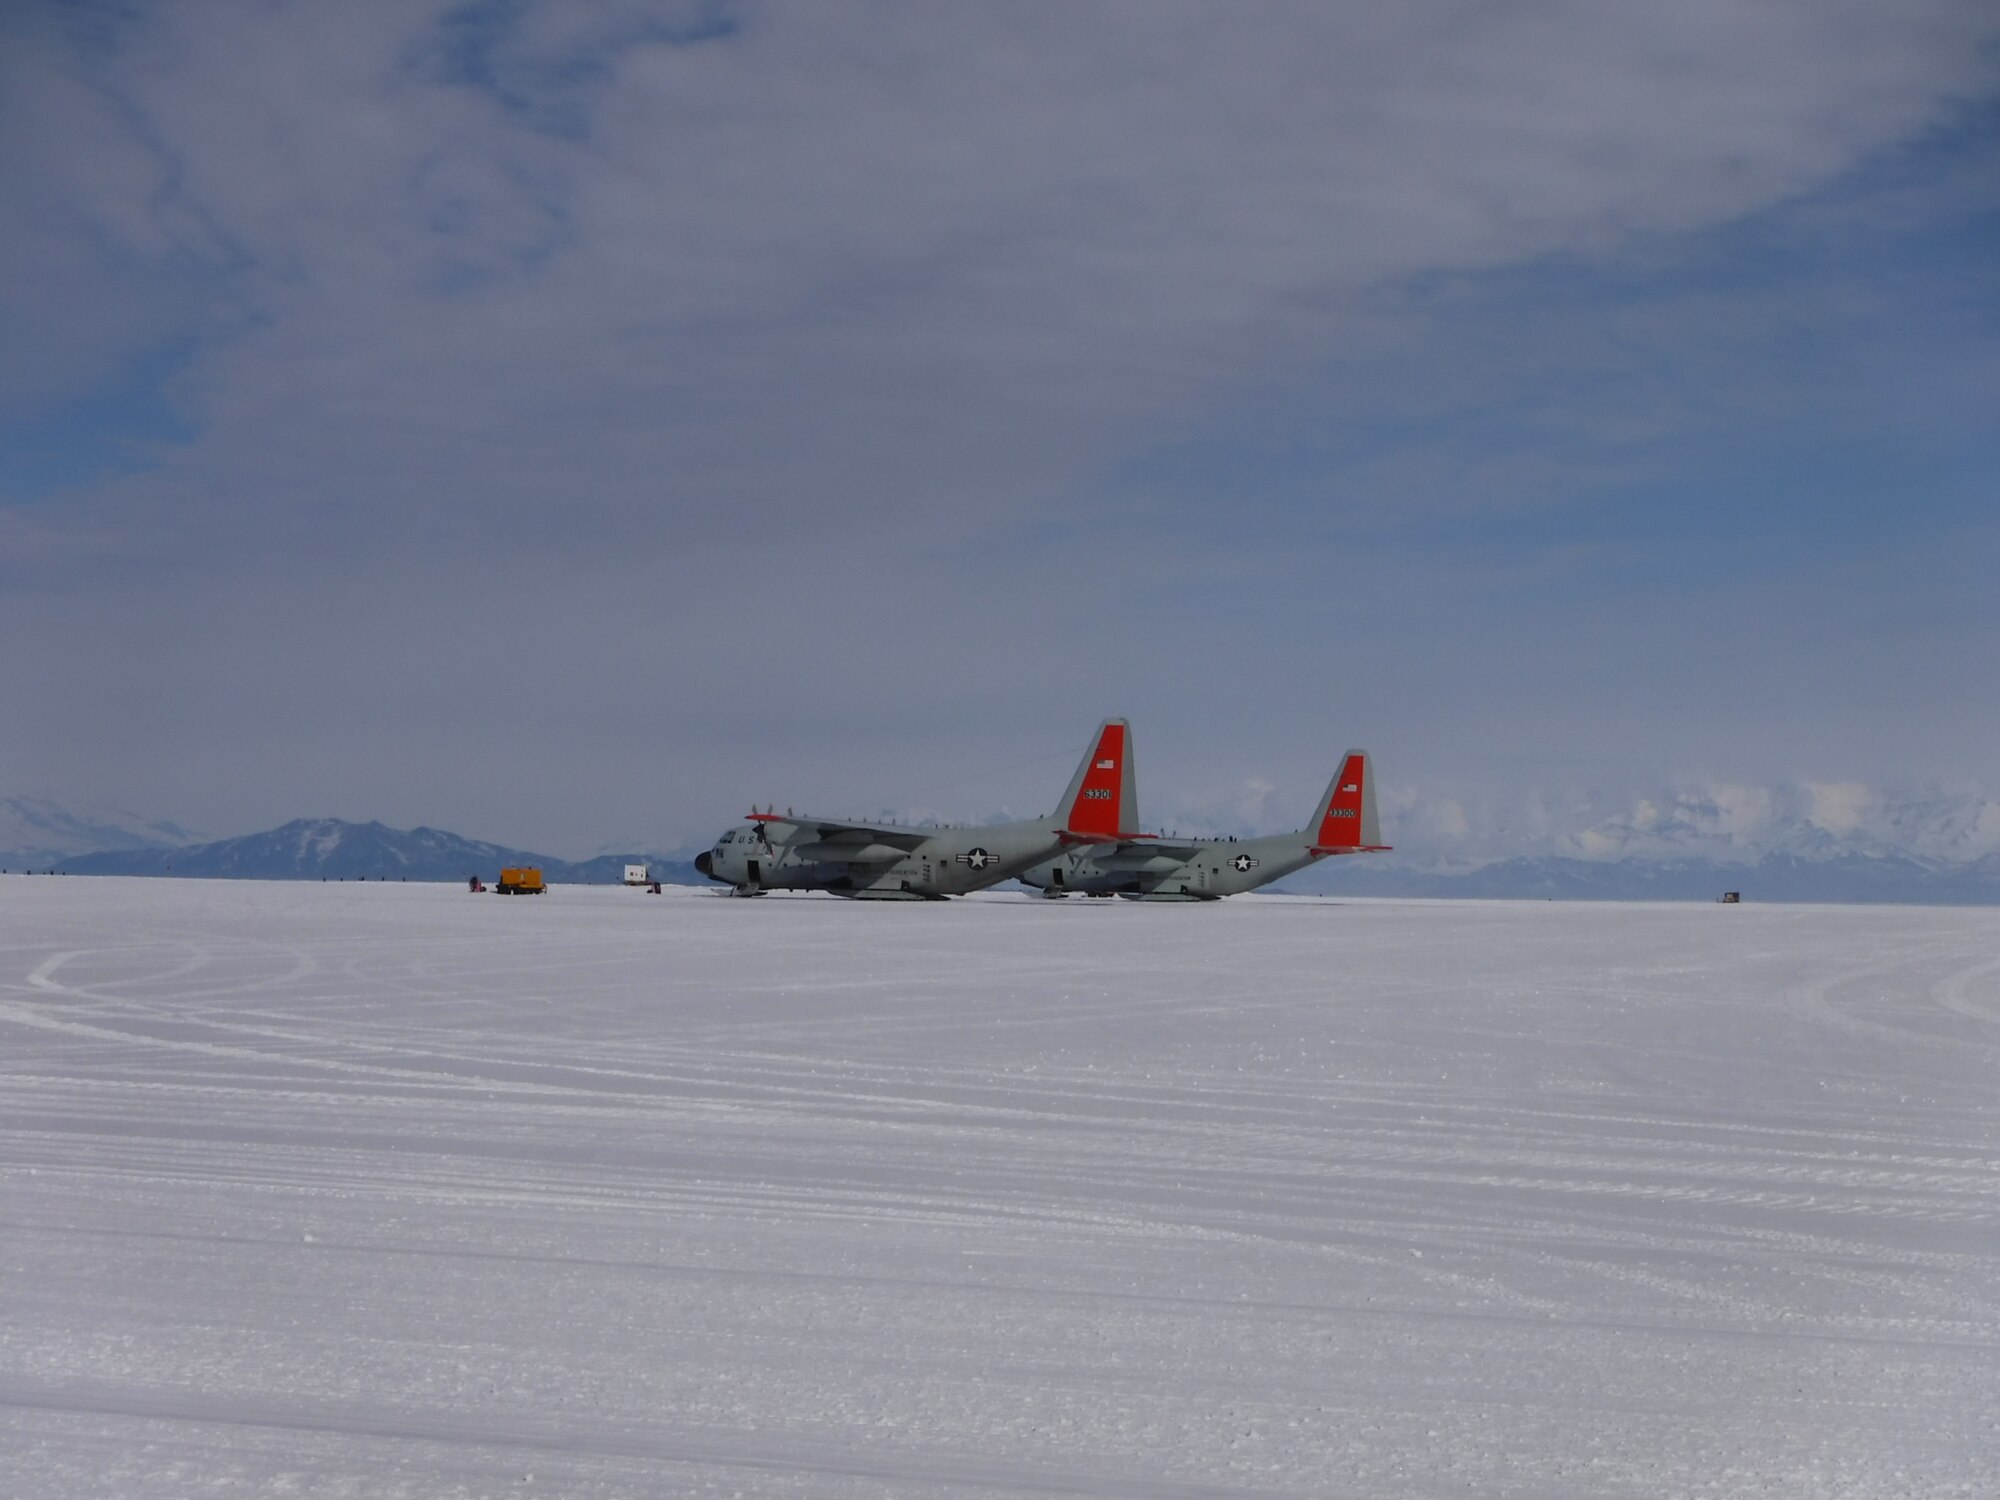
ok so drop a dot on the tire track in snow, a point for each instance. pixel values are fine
(1955, 993)
(1814, 1002)
(752, 1452)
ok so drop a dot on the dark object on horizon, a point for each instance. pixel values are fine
(1731, 898)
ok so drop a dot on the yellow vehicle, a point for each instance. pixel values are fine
(520, 880)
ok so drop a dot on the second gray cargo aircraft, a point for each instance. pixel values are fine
(1161, 869)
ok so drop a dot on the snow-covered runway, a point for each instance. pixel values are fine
(395, 1190)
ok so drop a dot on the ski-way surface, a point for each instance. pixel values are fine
(385, 1190)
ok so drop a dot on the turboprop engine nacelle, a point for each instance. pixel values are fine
(852, 854)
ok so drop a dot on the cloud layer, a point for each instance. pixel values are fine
(731, 395)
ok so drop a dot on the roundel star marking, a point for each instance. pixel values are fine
(1243, 863)
(978, 858)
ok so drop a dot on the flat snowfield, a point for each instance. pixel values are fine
(394, 1190)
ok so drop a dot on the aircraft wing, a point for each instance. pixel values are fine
(1137, 849)
(841, 840)
(1072, 838)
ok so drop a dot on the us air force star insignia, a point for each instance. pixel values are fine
(979, 859)
(1243, 863)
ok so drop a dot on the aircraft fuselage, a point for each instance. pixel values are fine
(914, 864)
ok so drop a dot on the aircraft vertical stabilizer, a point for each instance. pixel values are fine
(1103, 800)
(1344, 822)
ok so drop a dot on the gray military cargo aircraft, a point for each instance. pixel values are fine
(895, 862)
(1162, 869)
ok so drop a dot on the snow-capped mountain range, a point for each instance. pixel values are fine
(35, 831)
(1723, 823)
(1804, 842)
(333, 849)
(1812, 841)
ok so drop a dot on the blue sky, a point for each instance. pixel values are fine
(860, 402)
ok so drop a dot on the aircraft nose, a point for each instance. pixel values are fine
(704, 864)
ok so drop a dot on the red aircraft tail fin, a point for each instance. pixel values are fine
(1344, 822)
(1102, 800)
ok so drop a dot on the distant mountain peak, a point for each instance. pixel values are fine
(334, 849)
(40, 831)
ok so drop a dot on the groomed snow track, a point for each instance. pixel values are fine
(394, 1190)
